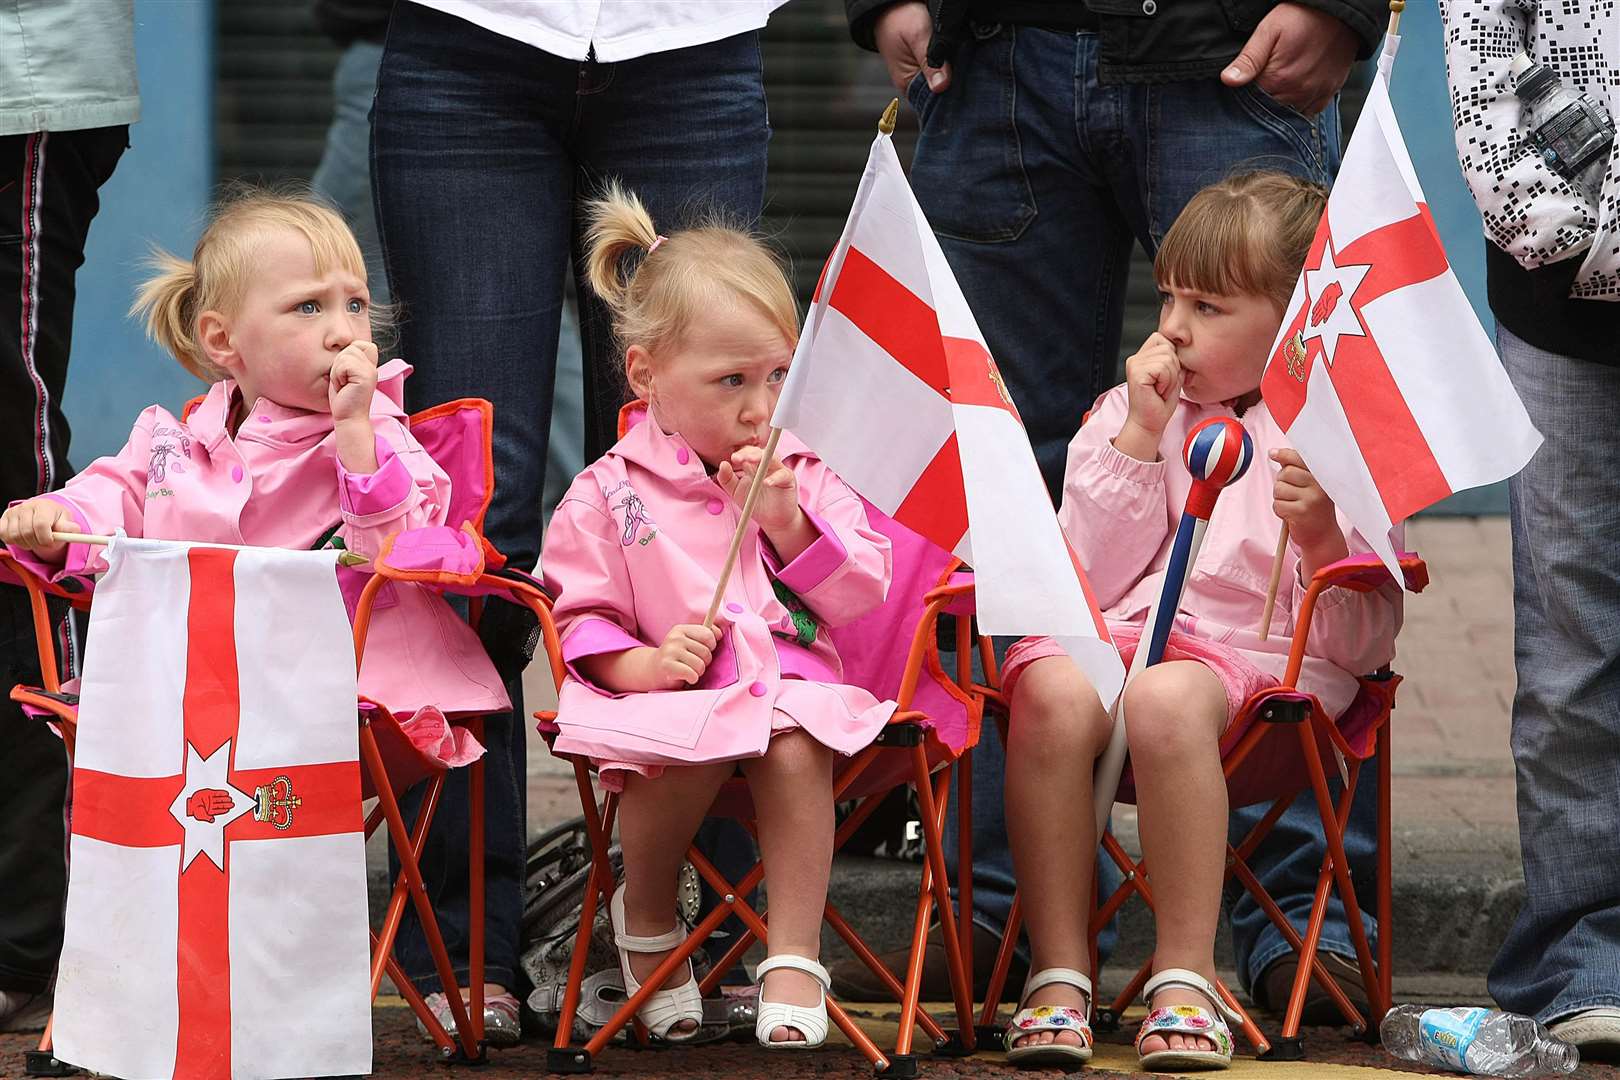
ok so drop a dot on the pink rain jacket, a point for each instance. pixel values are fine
(636, 547)
(279, 483)
(1121, 516)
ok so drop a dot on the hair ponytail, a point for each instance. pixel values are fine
(619, 222)
(167, 302)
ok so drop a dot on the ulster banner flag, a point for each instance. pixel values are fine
(893, 386)
(216, 912)
(1381, 375)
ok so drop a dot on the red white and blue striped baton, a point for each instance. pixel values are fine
(1217, 452)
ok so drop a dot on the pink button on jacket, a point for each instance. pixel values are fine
(1121, 515)
(278, 483)
(636, 547)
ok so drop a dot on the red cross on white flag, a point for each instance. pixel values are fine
(216, 914)
(1382, 377)
(893, 386)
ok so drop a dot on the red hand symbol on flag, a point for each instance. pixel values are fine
(207, 802)
(1326, 303)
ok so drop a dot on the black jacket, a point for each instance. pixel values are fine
(1142, 40)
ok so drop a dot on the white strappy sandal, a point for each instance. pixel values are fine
(1050, 1018)
(671, 1005)
(809, 1021)
(1186, 1020)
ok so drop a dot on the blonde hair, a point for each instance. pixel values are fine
(692, 271)
(1246, 235)
(216, 275)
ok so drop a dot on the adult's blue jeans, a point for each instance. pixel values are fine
(483, 149)
(1038, 180)
(1563, 952)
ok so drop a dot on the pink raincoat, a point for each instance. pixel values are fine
(636, 547)
(1121, 515)
(278, 483)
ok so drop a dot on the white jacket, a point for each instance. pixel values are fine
(1530, 211)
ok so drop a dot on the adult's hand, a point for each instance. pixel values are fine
(902, 34)
(1298, 55)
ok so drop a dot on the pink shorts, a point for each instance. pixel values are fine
(1239, 678)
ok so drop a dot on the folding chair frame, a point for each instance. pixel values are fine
(1276, 708)
(904, 732)
(468, 1044)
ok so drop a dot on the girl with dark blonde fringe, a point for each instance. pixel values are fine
(299, 442)
(1225, 272)
(667, 707)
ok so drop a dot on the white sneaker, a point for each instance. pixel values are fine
(1595, 1032)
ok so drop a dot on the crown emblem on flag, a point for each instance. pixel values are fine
(275, 802)
(1294, 356)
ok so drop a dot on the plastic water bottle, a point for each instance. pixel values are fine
(1480, 1042)
(1572, 132)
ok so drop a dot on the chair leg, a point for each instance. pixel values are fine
(395, 913)
(840, 926)
(475, 889)
(1386, 919)
(932, 798)
(1004, 955)
(964, 867)
(1335, 842)
(413, 877)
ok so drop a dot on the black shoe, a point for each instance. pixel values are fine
(854, 981)
(1277, 981)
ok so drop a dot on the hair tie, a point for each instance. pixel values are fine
(655, 244)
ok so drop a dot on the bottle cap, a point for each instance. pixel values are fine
(1520, 64)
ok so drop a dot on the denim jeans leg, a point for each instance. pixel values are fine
(1563, 953)
(473, 190)
(686, 131)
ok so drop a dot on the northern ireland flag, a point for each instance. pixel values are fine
(893, 386)
(1382, 377)
(216, 911)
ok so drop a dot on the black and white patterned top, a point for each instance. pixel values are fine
(1530, 211)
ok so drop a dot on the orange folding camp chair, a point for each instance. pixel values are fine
(1290, 751)
(454, 558)
(893, 653)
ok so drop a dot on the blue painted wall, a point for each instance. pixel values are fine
(157, 196)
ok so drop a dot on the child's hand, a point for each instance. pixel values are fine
(352, 381)
(684, 656)
(1301, 503)
(1153, 383)
(777, 508)
(29, 526)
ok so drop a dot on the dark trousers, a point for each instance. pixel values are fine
(48, 197)
(483, 149)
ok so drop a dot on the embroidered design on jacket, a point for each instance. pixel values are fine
(623, 497)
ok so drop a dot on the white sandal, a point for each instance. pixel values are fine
(1028, 1021)
(671, 1005)
(1186, 1020)
(809, 1021)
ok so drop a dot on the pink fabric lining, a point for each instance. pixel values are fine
(456, 441)
(435, 549)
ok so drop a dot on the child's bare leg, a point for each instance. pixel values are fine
(1174, 715)
(792, 790)
(1058, 728)
(657, 819)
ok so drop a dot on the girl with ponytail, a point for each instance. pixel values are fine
(667, 706)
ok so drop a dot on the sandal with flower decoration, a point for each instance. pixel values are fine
(1185, 1020)
(1050, 1018)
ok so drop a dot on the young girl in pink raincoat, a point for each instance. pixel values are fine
(670, 709)
(1226, 270)
(292, 444)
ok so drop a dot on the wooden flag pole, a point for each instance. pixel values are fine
(1276, 578)
(742, 526)
(1395, 9)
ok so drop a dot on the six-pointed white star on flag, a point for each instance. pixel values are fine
(1339, 319)
(209, 775)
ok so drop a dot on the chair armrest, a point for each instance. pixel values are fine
(1367, 572)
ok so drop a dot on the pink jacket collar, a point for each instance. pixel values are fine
(272, 422)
